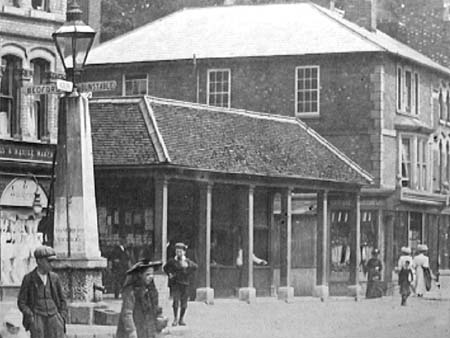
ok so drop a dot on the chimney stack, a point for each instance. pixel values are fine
(362, 12)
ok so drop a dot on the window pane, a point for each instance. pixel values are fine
(220, 88)
(307, 90)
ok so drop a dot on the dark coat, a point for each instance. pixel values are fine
(139, 311)
(28, 295)
(120, 260)
(177, 273)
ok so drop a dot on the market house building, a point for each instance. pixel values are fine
(222, 180)
(379, 101)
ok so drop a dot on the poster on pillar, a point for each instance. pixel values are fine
(19, 229)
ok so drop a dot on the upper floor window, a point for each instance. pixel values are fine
(9, 94)
(42, 5)
(407, 91)
(135, 85)
(414, 162)
(219, 88)
(38, 122)
(307, 79)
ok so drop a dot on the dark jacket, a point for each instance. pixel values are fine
(139, 311)
(28, 296)
(177, 273)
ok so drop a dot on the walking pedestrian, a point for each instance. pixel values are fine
(120, 264)
(179, 270)
(405, 256)
(405, 278)
(420, 263)
(41, 299)
(140, 309)
(374, 284)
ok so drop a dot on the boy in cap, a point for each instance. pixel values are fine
(41, 299)
(179, 270)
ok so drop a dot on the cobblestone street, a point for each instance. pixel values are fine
(313, 319)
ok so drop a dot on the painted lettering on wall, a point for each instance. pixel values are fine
(33, 152)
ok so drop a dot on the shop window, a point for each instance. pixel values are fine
(261, 225)
(369, 233)
(135, 85)
(38, 122)
(415, 231)
(112, 220)
(400, 234)
(9, 96)
(307, 86)
(340, 240)
(219, 88)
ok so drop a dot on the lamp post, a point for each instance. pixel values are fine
(75, 228)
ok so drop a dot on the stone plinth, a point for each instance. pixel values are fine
(285, 293)
(83, 312)
(106, 317)
(321, 291)
(205, 295)
(247, 295)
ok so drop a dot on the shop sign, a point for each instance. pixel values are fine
(97, 86)
(26, 152)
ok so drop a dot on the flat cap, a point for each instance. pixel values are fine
(143, 265)
(44, 252)
(180, 245)
(406, 250)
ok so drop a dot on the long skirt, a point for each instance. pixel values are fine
(374, 289)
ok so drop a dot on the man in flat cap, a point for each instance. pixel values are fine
(179, 270)
(41, 299)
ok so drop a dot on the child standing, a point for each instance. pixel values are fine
(405, 277)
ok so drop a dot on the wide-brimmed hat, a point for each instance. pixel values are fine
(422, 247)
(144, 264)
(406, 250)
(44, 252)
(181, 245)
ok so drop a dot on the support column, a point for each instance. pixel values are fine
(285, 291)
(355, 288)
(248, 293)
(161, 200)
(322, 255)
(205, 293)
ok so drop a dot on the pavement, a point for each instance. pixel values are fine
(338, 317)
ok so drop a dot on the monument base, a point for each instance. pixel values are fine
(321, 291)
(247, 295)
(205, 295)
(285, 293)
(79, 276)
(83, 312)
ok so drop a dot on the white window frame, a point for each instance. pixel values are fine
(228, 92)
(402, 92)
(408, 106)
(419, 160)
(307, 114)
(124, 84)
(416, 93)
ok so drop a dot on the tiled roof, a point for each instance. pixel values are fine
(221, 140)
(249, 31)
(120, 135)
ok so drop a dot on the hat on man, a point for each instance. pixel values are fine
(44, 252)
(406, 250)
(180, 245)
(144, 264)
(422, 248)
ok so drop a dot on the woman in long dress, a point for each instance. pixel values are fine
(420, 262)
(374, 284)
(138, 317)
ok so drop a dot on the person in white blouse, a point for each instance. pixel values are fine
(420, 262)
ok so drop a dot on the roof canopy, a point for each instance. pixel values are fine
(151, 131)
(249, 31)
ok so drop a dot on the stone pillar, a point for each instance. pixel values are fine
(161, 200)
(76, 232)
(205, 293)
(23, 77)
(322, 274)
(248, 293)
(354, 287)
(285, 291)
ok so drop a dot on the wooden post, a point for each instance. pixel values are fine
(161, 200)
(205, 293)
(322, 256)
(285, 291)
(356, 245)
(251, 192)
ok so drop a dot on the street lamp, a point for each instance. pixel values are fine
(77, 36)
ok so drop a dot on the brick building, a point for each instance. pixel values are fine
(27, 129)
(381, 102)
